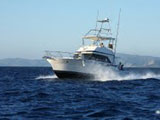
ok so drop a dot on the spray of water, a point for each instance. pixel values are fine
(157, 112)
(107, 74)
(103, 73)
(46, 77)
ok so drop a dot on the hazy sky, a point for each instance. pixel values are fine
(29, 27)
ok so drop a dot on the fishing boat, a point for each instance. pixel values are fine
(88, 59)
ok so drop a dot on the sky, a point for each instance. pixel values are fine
(29, 27)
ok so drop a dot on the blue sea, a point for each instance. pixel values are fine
(35, 93)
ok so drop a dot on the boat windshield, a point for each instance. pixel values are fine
(97, 57)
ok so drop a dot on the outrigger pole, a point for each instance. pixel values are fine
(117, 35)
(97, 18)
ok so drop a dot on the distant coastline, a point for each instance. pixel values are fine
(127, 59)
(21, 62)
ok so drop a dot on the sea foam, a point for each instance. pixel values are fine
(107, 74)
(46, 77)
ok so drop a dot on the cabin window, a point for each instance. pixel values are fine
(97, 57)
(77, 56)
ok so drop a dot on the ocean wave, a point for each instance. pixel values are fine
(7, 77)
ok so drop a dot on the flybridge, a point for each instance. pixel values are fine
(96, 38)
(101, 33)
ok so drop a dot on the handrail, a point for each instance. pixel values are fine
(58, 54)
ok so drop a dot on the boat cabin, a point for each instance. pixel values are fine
(97, 50)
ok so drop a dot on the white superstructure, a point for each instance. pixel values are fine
(88, 58)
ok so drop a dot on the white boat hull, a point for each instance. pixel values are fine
(76, 68)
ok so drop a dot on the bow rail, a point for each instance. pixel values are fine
(58, 54)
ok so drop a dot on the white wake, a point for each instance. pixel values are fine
(108, 75)
(103, 73)
(46, 77)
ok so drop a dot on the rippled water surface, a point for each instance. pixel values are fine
(36, 93)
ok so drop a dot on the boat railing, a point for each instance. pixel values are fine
(58, 54)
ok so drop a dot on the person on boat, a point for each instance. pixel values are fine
(101, 44)
(120, 66)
